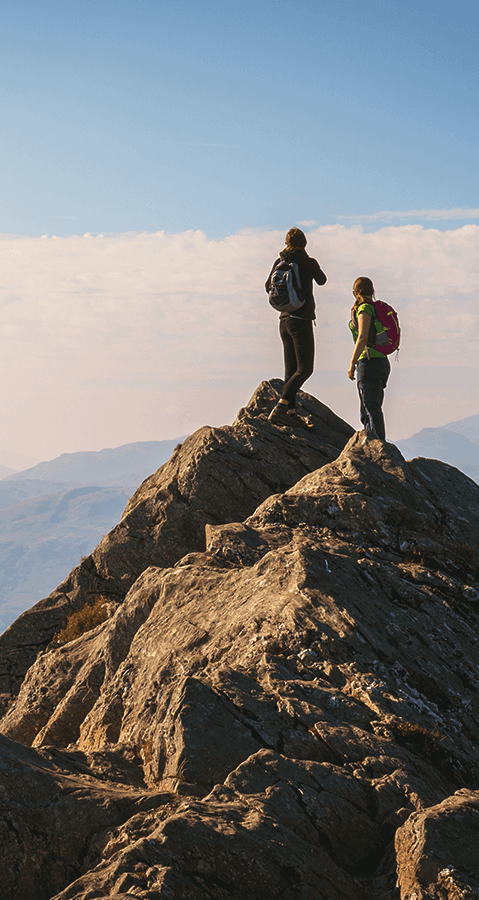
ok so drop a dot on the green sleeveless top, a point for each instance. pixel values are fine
(368, 352)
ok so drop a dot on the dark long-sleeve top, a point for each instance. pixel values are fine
(309, 271)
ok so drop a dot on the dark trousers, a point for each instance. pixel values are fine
(372, 377)
(298, 346)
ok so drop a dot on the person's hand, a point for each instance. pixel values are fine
(351, 372)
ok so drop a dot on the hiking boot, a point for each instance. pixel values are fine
(280, 416)
(297, 421)
(368, 436)
(305, 416)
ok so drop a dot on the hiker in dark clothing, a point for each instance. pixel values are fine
(370, 366)
(296, 330)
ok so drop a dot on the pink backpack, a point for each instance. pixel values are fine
(387, 341)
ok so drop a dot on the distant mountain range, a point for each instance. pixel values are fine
(456, 443)
(125, 465)
(6, 470)
(55, 512)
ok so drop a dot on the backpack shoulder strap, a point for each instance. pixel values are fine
(372, 328)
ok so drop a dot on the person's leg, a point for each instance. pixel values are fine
(298, 346)
(300, 333)
(289, 354)
(363, 413)
(372, 377)
(280, 410)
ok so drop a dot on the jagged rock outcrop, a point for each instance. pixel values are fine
(52, 803)
(434, 838)
(217, 475)
(296, 705)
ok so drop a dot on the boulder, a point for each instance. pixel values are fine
(52, 804)
(438, 850)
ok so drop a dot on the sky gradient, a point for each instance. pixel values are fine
(154, 153)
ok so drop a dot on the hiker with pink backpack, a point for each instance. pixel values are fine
(375, 329)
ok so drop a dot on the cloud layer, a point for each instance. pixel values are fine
(111, 339)
(428, 215)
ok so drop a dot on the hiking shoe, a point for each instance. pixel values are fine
(305, 416)
(280, 416)
(297, 421)
(369, 436)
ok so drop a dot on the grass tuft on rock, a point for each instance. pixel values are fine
(83, 620)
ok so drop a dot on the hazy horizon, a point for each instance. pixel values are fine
(30, 462)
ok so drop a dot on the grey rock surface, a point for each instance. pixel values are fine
(217, 475)
(51, 804)
(438, 850)
(292, 708)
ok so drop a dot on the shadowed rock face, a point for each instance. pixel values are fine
(438, 849)
(289, 711)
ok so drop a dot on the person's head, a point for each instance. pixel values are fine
(363, 288)
(295, 239)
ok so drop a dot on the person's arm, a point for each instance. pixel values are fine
(364, 322)
(317, 273)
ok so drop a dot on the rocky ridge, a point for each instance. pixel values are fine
(285, 708)
(217, 475)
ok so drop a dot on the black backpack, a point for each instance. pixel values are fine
(285, 292)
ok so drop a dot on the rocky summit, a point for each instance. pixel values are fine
(283, 703)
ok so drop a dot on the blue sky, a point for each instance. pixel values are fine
(147, 115)
(152, 156)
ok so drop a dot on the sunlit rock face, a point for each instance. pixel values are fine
(284, 699)
(217, 475)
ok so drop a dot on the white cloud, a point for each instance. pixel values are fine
(111, 339)
(429, 215)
